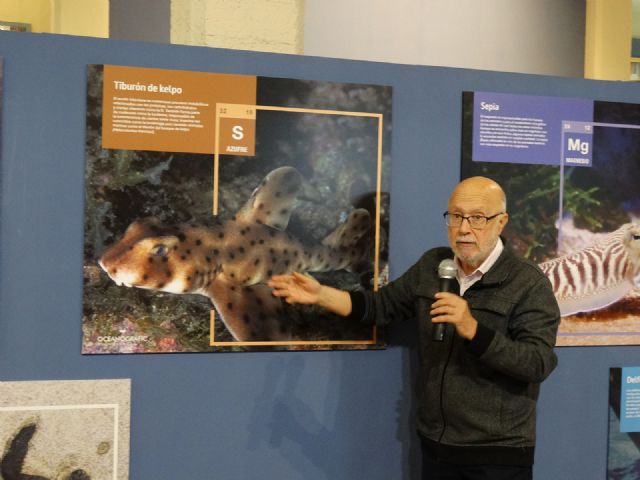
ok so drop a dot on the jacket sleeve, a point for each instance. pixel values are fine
(395, 301)
(526, 351)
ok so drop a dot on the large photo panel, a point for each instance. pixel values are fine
(200, 186)
(623, 446)
(65, 429)
(568, 167)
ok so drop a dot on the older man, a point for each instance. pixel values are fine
(477, 389)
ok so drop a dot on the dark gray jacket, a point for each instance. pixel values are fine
(477, 399)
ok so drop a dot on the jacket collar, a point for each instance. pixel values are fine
(500, 270)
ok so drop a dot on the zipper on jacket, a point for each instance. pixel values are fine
(444, 371)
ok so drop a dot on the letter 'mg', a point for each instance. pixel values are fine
(577, 145)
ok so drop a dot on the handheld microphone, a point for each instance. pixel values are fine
(447, 273)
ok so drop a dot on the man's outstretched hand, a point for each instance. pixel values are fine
(296, 288)
(299, 288)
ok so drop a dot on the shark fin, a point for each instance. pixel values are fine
(272, 201)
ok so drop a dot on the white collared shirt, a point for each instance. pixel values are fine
(466, 281)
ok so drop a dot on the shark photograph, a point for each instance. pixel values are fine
(164, 272)
(231, 261)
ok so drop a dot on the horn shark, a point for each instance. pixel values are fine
(231, 261)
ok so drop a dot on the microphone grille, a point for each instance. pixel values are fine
(447, 268)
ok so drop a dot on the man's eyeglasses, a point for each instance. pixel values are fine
(475, 221)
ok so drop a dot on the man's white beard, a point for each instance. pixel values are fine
(476, 259)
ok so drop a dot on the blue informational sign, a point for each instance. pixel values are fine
(630, 400)
(528, 129)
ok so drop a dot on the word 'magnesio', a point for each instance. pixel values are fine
(152, 87)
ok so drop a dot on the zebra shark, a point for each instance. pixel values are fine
(598, 275)
(231, 261)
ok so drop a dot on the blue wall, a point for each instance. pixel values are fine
(311, 415)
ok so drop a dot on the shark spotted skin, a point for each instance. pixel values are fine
(231, 261)
(598, 275)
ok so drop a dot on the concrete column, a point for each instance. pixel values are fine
(260, 25)
(143, 20)
(608, 40)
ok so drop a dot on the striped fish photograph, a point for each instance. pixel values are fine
(581, 225)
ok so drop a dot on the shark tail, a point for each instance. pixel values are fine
(349, 233)
(348, 242)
